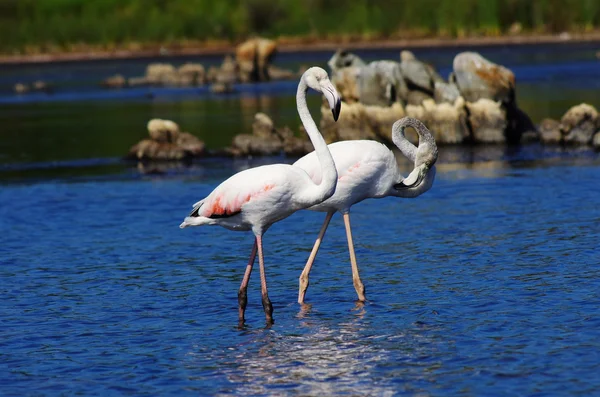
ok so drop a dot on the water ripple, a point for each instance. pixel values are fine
(486, 285)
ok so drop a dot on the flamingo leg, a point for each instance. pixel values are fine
(304, 275)
(358, 285)
(243, 292)
(267, 306)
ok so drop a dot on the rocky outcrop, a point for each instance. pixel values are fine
(445, 92)
(549, 130)
(166, 143)
(224, 77)
(254, 57)
(191, 74)
(250, 63)
(381, 83)
(487, 121)
(420, 78)
(36, 86)
(579, 125)
(447, 122)
(343, 59)
(116, 81)
(346, 83)
(359, 121)
(477, 78)
(266, 140)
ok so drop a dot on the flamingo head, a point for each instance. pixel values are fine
(317, 79)
(425, 158)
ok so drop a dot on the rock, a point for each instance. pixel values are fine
(149, 149)
(190, 144)
(227, 73)
(163, 130)
(596, 141)
(42, 86)
(343, 59)
(262, 126)
(116, 81)
(191, 74)
(445, 92)
(416, 97)
(253, 57)
(266, 140)
(359, 121)
(380, 83)
(446, 121)
(550, 131)
(249, 144)
(21, 88)
(221, 88)
(297, 147)
(417, 74)
(346, 83)
(166, 143)
(579, 124)
(478, 78)
(487, 120)
(211, 74)
(161, 74)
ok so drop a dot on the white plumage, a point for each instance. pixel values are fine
(368, 169)
(256, 198)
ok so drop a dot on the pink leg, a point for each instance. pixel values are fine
(358, 285)
(304, 275)
(243, 292)
(267, 306)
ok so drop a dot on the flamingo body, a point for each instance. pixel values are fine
(255, 198)
(366, 169)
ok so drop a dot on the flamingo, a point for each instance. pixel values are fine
(256, 198)
(368, 169)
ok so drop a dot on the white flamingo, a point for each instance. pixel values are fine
(368, 169)
(256, 198)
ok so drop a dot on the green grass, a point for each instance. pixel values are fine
(46, 25)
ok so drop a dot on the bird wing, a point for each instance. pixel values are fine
(229, 198)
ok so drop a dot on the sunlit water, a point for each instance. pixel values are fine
(488, 284)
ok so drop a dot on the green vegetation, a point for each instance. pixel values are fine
(58, 25)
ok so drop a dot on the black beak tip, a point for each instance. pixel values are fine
(400, 186)
(336, 110)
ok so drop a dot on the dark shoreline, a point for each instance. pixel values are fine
(325, 45)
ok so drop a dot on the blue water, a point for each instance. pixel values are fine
(489, 284)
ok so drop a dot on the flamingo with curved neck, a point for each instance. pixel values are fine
(368, 169)
(256, 198)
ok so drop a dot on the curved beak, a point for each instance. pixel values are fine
(333, 98)
(414, 179)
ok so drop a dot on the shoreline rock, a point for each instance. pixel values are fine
(166, 143)
(266, 140)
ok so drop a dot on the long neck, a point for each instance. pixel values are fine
(399, 139)
(329, 174)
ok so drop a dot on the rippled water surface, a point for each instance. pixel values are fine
(487, 285)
